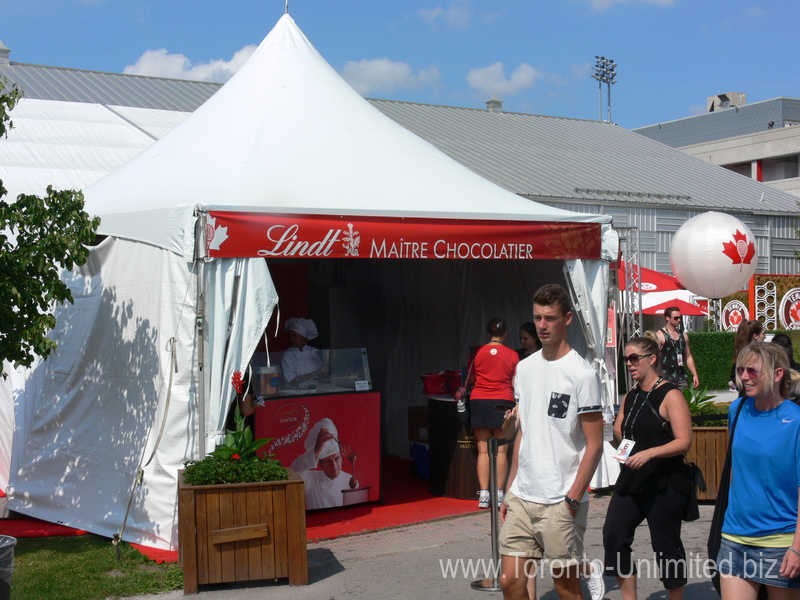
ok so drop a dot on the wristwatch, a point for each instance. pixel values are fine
(572, 503)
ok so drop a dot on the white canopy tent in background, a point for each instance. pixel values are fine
(286, 137)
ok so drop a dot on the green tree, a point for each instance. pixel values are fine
(38, 237)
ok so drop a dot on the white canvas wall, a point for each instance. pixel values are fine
(92, 414)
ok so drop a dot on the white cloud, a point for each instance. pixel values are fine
(160, 63)
(493, 80)
(458, 14)
(606, 4)
(384, 76)
(754, 11)
(581, 70)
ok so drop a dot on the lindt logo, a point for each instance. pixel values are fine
(285, 242)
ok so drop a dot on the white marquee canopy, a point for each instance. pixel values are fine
(136, 387)
(287, 135)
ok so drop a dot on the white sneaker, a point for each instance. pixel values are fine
(595, 583)
(500, 497)
(483, 499)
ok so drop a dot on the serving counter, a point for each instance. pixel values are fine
(342, 401)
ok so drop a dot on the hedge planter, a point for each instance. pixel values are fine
(242, 532)
(709, 445)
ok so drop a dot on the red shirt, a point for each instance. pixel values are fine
(494, 366)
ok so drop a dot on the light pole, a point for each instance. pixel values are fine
(597, 71)
(604, 71)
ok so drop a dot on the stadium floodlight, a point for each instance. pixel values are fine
(604, 71)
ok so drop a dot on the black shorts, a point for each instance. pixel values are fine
(483, 414)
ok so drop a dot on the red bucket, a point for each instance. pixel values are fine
(434, 383)
(453, 380)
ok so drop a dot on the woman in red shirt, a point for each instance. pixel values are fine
(492, 372)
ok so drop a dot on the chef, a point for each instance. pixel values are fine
(301, 364)
(320, 466)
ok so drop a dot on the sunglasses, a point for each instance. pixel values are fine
(752, 373)
(634, 358)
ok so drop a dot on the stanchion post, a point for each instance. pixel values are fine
(491, 584)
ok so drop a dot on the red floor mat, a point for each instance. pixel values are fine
(406, 501)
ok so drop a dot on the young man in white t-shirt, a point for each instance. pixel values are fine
(560, 442)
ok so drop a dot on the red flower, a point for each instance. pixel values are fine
(235, 457)
(237, 382)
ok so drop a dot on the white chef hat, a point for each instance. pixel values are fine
(304, 327)
(331, 446)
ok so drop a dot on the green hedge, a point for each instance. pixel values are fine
(713, 355)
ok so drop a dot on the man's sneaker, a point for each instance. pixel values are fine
(595, 583)
(500, 497)
(483, 499)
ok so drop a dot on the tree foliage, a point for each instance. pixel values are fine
(38, 237)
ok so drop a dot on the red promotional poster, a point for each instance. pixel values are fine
(325, 236)
(332, 442)
(611, 328)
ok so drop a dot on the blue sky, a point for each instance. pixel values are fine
(535, 55)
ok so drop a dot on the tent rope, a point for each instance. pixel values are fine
(171, 347)
(277, 331)
(173, 368)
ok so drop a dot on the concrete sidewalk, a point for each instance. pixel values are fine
(407, 563)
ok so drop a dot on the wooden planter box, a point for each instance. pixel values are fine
(242, 532)
(709, 445)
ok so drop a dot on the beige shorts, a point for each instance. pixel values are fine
(534, 530)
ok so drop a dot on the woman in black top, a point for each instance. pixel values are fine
(529, 340)
(652, 483)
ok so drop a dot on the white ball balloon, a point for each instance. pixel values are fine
(713, 255)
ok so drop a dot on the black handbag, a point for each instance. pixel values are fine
(715, 533)
(691, 509)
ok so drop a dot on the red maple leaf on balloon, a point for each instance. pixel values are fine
(740, 251)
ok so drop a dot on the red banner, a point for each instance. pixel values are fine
(322, 236)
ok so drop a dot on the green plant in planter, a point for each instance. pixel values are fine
(702, 404)
(235, 459)
(238, 443)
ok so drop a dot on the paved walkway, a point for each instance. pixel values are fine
(407, 564)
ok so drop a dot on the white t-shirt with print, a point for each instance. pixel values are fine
(552, 396)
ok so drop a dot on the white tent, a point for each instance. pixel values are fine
(176, 297)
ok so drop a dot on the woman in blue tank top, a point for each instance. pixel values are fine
(760, 545)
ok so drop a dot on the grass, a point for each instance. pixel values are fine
(85, 567)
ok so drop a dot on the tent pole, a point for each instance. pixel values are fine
(201, 387)
(200, 327)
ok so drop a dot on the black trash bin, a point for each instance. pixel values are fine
(7, 544)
